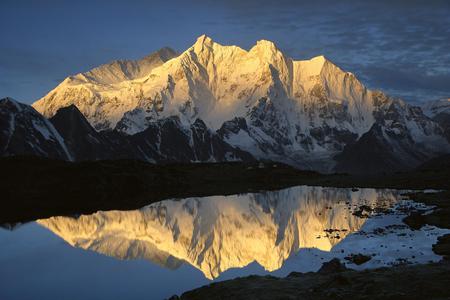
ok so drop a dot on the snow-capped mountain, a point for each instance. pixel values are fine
(102, 93)
(23, 131)
(400, 138)
(217, 233)
(302, 112)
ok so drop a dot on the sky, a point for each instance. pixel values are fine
(400, 47)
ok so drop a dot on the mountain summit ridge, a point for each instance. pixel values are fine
(304, 112)
(204, 55)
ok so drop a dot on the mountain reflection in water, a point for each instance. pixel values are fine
(217, 233)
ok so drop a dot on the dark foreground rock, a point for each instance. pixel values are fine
(402, 282)
(439, 217)
(358, 259)
(442, 247)
(333, 266)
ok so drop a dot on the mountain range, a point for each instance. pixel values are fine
(217, 103)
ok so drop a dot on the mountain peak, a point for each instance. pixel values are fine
(204, 40)
(266, 50)
(72, 108)
(122, 70)
(164, 54)
(70, 117)
(8, 101)
(266, 44)
(167, 53)
(320, 58)
(316, 64)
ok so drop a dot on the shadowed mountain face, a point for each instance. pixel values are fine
(379, 151)
(69, 136)
(217, 233)
(81, 139)
(392, 143)
(23, 131)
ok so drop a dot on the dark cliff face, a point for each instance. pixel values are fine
(165, 140)
(389, 145)
(81, 139)
(172, 141)
(443, 119)
(372, 153)
(234, 126)
(23, 131)
(381, 150)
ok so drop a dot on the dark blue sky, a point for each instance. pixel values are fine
(402, 47)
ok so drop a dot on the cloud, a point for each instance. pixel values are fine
(396, 45)
(401, 46)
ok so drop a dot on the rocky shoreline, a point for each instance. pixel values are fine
(335, 281)
(429, 281)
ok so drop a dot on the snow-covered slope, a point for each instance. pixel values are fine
(434, 107)
(439, 111)
(105, 93)
(217, 233)
(301, 112)
(23, 131)
(122, 70)
(213, 82)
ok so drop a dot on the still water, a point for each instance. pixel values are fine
(176, 245)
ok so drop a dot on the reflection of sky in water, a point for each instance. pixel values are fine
(164, 248)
